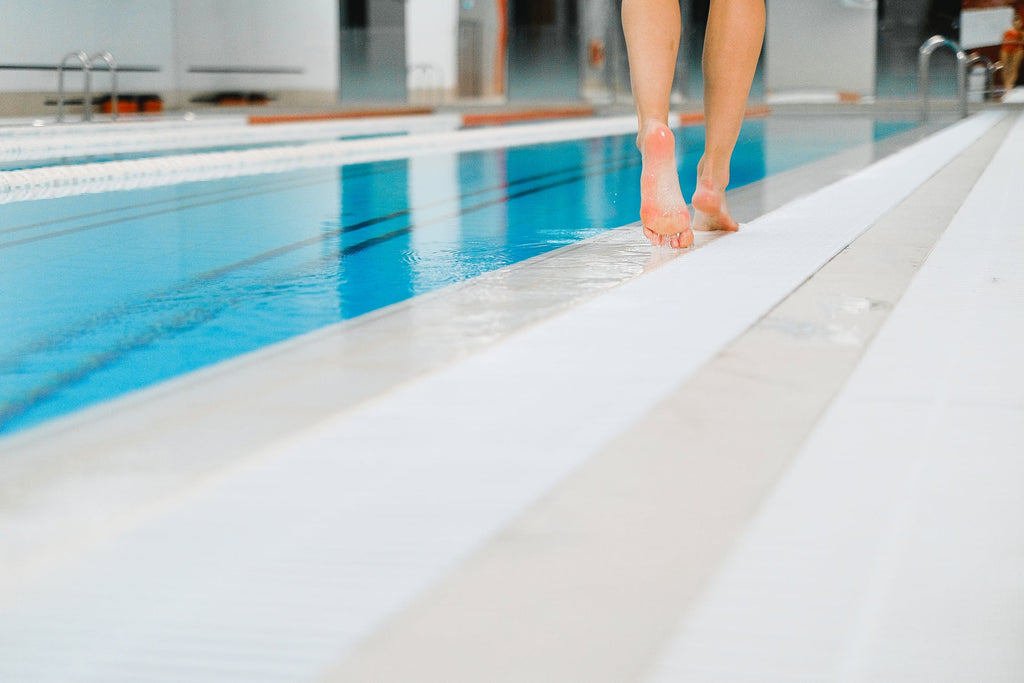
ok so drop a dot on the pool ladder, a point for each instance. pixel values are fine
(924, 55)
(87, 63)
(990, 71)
(963, 63)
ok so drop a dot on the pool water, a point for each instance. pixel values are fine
(107, 293)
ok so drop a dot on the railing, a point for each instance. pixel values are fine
(990, 72)
(87, 68)
(112, 67)
(924, 59)
(87, 63)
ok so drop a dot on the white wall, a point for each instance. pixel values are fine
(174, 35)
(984, 27)
(43, 31)
(431, 28)
(301, 34)
(826, 45)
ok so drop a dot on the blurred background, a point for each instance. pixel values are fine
(463, 52)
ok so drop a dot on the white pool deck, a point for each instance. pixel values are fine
(793, 453)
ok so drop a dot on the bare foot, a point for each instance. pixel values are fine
(662, 207)
(710, 211)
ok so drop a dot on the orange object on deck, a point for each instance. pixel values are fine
(330, 116)
(124, 106)
(695, 118)
(498, 118)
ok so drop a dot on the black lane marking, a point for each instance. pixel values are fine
(226, 194)
(365, 244)
(191, 319)
(260, 180)
(203, 279)
(181, 323)
(158, 212)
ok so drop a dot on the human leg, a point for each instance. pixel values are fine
(652, 30)
(732, 46)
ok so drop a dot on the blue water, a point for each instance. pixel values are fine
(104, 294)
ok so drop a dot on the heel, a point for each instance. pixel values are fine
(706, 199)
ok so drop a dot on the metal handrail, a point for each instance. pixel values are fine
(990, 70)
(112, 67)
(924, 58)
(86, 67)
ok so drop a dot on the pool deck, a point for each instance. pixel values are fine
(792, 453)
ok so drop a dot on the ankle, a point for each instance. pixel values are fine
(715, 174)
(646, 125)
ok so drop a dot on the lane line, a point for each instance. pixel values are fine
(219, 301)
(63, 181)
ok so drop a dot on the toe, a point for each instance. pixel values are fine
(654, 237)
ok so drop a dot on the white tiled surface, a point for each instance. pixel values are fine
(310, 546)
(894, 548)
(1015, 96)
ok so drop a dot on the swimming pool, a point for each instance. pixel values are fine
(103, 294)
